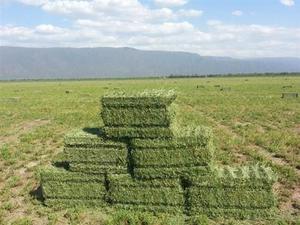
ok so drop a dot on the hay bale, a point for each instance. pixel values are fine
(184, 137)
(166, 194)
(147, 114)
(59, 186)
(87, 151)
(190, 152)
(242, 192)
(138, 116)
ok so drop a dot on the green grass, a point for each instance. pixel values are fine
(251, 124)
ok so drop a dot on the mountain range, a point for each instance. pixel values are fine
(106, 62)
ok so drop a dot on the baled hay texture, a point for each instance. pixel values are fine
(97, 168)
(183, 137)
(91, 137)
(125, 190)
(170, 172)
(138, 132)
(104, 156)
(150, 98)
(230, 198)
(62, 184)
(137, 116)
(255, 177)
(190, 156)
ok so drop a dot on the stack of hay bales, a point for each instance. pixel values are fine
(145, 121)
(239, 192)
(139, 160)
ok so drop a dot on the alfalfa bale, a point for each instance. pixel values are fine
(59, 186)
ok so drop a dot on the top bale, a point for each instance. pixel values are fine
(153, 98)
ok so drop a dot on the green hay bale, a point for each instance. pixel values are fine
(138, 132)
(74, 203)
(150, 98)
(241, 192)
(62, 184)
(125, 190)
(230, 198)
(137, 116)
(110, 156)
(91, 137)
(254, 177)
(240, 214)
(97, 168)
(183, 137)
(191, 156)
(73, 190)
(170, 172)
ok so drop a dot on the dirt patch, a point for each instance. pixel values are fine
(296, 129)
(296, 194)
(22, 128)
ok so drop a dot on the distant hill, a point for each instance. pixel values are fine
(66, 63)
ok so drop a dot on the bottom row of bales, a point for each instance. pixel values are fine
(170, 176)
(243, 193)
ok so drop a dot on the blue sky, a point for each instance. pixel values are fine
(237, 28)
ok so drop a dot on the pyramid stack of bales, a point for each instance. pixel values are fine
(140, 160)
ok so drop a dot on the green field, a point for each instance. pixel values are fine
(251, 124)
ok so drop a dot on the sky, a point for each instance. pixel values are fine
(235, 28)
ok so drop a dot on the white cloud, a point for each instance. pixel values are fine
(288, 2)
(129, 23)
(237, 13)
(170, 3)
(48, 29)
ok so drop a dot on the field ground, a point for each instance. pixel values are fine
(251, 123)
